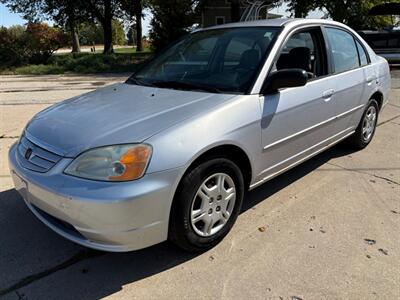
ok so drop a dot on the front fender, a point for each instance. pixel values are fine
(237, 122)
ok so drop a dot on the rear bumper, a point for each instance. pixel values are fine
(107, 216)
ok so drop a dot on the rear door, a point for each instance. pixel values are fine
(349, 77)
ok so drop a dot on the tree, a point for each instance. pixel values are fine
(42, 40)
(69, 14)
(138, 11)
(12, 46)
(118, 33)
(301, 8)
(171, 20)
(103, 11)
(351, 12)
(64, 12)
(133, 9)
(92, 33)
(131, 36)
(33, 44)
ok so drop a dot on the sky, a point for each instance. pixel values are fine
(8, 18)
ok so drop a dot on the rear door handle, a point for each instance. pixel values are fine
(328, 94)
(371, 78)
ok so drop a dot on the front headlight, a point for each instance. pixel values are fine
(111, 163)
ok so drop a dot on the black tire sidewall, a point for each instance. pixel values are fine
(356, 140)
(359, 135)
(184, 234)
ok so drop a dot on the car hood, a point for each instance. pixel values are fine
(118, 114)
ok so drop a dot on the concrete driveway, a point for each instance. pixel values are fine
(330, 228)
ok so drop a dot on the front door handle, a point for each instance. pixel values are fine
(328, 94)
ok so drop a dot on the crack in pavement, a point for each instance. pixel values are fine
(394, 105)
(80, 256)
(365, 173)
(16, 102)
(9, 136)
(46, 90)
(387, 121)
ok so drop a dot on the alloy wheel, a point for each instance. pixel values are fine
(369, 123)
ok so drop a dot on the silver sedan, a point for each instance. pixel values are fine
(170, 153)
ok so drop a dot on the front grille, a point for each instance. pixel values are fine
(34, 157)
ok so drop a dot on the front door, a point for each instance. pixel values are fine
(297, 122)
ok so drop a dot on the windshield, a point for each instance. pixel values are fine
(219, 60)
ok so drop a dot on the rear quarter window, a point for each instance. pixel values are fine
(362, 53)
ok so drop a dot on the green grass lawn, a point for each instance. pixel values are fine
(123, 60)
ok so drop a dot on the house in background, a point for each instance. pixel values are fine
(218, 12)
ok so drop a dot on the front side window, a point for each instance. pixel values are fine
(304, 50)
(344, 51)
(218, 60)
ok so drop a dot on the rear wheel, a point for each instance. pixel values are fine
(206, 205)
(367, 126)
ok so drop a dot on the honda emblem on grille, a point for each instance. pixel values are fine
(28, 153)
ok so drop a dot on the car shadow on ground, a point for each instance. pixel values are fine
(30, 252)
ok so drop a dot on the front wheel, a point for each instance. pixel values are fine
(367, 126)
(206, 205)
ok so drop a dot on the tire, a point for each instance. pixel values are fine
(366, 128)
(200, 215)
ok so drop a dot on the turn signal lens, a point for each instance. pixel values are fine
(132, 163)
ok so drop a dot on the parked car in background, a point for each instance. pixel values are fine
(170, 153)
(385, 42)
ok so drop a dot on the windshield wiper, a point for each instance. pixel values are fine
(133, 80)
(180, 85)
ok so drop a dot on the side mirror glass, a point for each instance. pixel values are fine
(285, 78)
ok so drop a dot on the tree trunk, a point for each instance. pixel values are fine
(235, 10)
(107, 27)
(71, 23)
(76, 47)
(137, 6)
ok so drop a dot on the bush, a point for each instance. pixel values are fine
(42, 41)
(84, 63)
(34, 44)
(12, 46)
(40, 70)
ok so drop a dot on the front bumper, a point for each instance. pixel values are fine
(109, 216)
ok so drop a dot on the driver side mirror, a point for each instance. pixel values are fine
(285, 78)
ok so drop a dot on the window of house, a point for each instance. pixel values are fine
(344, 51)
(220, 20)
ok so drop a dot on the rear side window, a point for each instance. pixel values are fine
(344, 51)
(363, 55)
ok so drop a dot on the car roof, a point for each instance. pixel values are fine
(274, 23)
